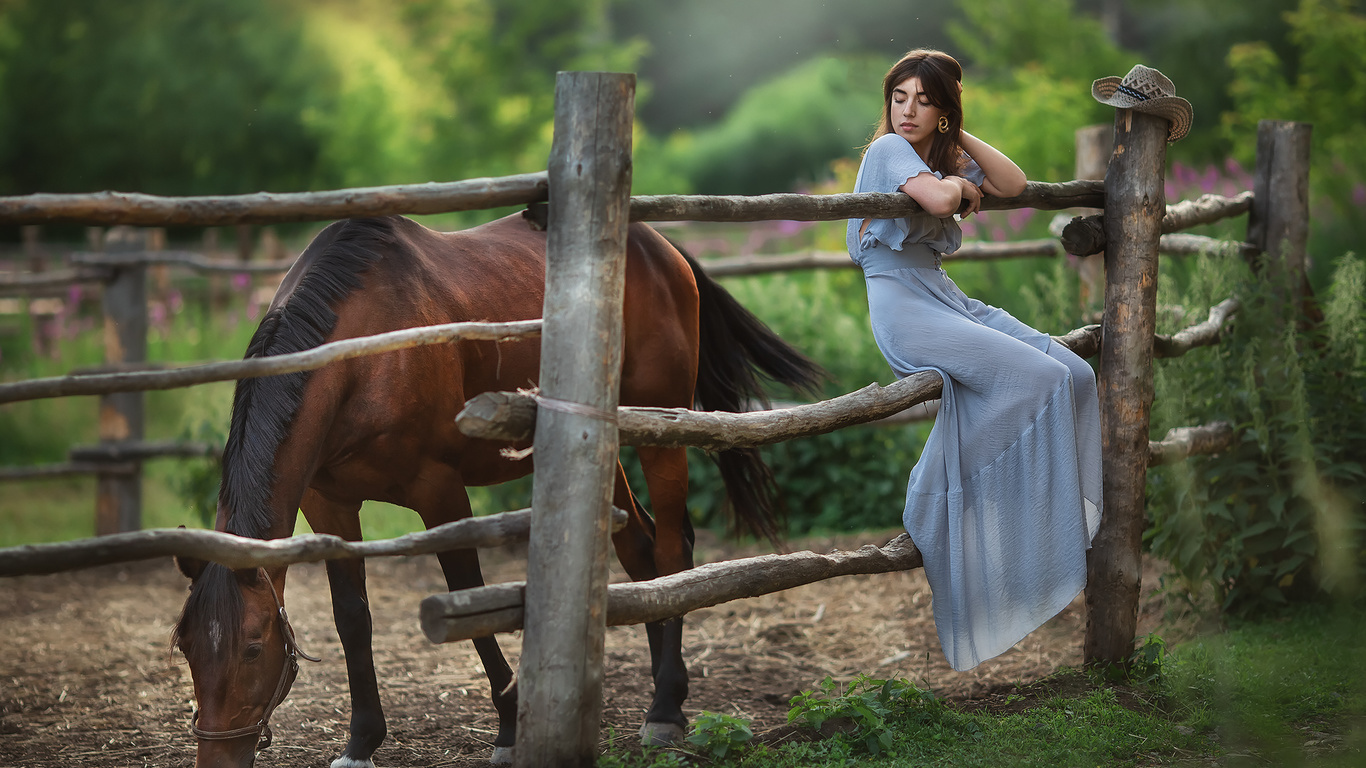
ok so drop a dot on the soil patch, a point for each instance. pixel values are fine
(87, 675)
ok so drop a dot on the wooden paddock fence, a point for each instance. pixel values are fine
(561, 697)
(116, 461)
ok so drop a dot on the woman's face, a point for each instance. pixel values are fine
(913, 117)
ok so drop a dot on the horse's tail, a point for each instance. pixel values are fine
(736, 350)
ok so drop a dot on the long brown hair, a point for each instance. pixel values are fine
(939, 75)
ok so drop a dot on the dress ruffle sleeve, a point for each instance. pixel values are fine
(890, 162)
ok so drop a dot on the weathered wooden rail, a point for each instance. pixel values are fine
(239, 552)
(468, 614)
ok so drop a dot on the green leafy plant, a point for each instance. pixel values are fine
(866, 706)
(1146, 662)
(1279, 516)
(719, 734)
(196, 485)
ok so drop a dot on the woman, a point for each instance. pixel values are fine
(1006, 497)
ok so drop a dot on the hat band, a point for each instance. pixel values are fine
(1132, 92)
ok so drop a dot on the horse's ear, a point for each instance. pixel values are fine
(192, 567)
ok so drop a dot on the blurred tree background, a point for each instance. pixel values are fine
(736, 96)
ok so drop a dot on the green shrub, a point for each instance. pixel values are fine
(1279, 516)
(719, 735)
(785, 131)
(869, 710)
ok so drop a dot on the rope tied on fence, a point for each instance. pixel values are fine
(578, 409)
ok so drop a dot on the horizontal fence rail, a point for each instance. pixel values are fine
(132, 450)
(483, 611)
(879, 205)
(1085, 235)
(98, 267)
(67, 469)
(1183, 244)
(241, 552)
(972, 250)
(1199, 335)
(1205, 209)
(114, 458)
(65, 386)
(110, 208)
(511, 416)
(187, 259)
(1181, 443)
(57, 279)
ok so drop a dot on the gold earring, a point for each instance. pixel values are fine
(943, 123)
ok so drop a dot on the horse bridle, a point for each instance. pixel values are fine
(287, 674)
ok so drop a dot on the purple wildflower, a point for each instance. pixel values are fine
(1019, 217)
(1208, 179)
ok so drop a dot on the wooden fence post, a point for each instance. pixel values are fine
(118, 499)
(1134, 207)
(1093, 157)
(1278, 223)
(560, 678)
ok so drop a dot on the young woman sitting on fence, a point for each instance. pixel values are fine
(1006, 497)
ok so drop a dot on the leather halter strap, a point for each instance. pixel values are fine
(287, 675)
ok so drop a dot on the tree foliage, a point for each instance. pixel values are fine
(1281, 515)
(1323, 83)
(785, 131)
(153, 95)
(228, 96)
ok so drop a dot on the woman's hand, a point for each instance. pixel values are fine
(1003, 177)
(972, 197)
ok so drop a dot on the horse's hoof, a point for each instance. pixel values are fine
(351, 762)
(501, 756)
(660, 734)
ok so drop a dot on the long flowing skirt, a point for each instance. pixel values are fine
(1006, 497)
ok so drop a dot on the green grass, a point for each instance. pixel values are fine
(1287, 691)
(62, 509)
(1267, 688)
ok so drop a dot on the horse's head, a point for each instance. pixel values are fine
(242, 656)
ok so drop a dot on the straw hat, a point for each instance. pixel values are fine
(1146, 90)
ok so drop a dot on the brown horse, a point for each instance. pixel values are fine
(383, 427)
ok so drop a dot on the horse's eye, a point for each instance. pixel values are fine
(252, 652)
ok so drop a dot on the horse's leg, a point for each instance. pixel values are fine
(351, 613)
(441, 504)
(666, 473)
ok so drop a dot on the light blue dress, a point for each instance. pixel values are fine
(1006, 497)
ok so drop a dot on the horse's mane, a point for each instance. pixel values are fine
(263, 408)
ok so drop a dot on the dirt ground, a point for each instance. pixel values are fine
(87, 676)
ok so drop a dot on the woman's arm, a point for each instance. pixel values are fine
(939, 197)
(1003, 177)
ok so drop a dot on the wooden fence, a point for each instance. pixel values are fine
(587, 166)
(123, 256)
